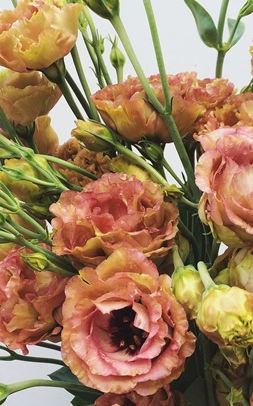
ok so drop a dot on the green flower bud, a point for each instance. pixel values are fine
(188, 288)
(117, 57)
(246, 9)
(225, 316)
(152, 151)
(122, 164)
(96, 137)
(36, 261)
(104, 8)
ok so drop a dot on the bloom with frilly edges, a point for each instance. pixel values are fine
(30, 303)
(124, 107)
(123, 329)
(224, 173)
(27, 31)
(113, 212)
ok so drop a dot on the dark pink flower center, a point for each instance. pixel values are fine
(124, 335)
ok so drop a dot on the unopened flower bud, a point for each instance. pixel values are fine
(225, 316)
(36, 261)
(188, 288)
(96, 137)
(117, 57)
(152, 151)
(105, 9)
(121, 164)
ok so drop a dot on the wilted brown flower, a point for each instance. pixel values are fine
(95, 162)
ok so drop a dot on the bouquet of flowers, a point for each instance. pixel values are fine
(139, 276)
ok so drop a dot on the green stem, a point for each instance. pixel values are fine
(19, 386)
(79, 94)
(69, 165)
(69, 99)
(219, 63)
(221, 22)
(13, 356)
(166, 115)
(14, 2)
(96, 47)
(50, 346)
(205, 277)
(158, 52)
(84, 83)
(119, 72)
(173, 174)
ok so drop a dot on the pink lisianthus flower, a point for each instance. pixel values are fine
(115, 211)
(163, 397)
(27, 31)
(225, 174)
(123, 329)
(125, 109)
(30, 303)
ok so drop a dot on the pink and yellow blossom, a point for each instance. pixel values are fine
(113, 212)
(224, 173)
(30, 303)
(123, 329)
(125, 109)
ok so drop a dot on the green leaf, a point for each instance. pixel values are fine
(79, 402)
(88, 395)
(239, 30)
(205, 25)
(5, 125)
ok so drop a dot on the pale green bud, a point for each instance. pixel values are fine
(104, 8)
(188, 289)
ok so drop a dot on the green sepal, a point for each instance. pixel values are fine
(88, 395)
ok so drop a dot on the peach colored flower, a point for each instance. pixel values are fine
(25, 96)
(45, 137)
(123, 329)
(224, 173)
(27, 31)
(30, 303)
(125, 109)
(163, 397)
(113, 212)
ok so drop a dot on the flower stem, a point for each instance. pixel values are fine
(50, 346)
(15, 356)
(158, 52)
(166, 115)
(69, 98)
(69, 165)
(78, 65)
(205, 277)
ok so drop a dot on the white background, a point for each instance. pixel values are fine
(183, 51)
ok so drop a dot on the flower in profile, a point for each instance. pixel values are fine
(26, 96)
(124, 107)
(163, 397)
(26, 31)
(224, 173)
(123, 329)
(225, 316)
(45, 137)
(30, 303)
(240, 268)
(113, 212)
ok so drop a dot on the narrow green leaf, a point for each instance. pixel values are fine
(5, 125)
(239, 30)
(205, 25)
